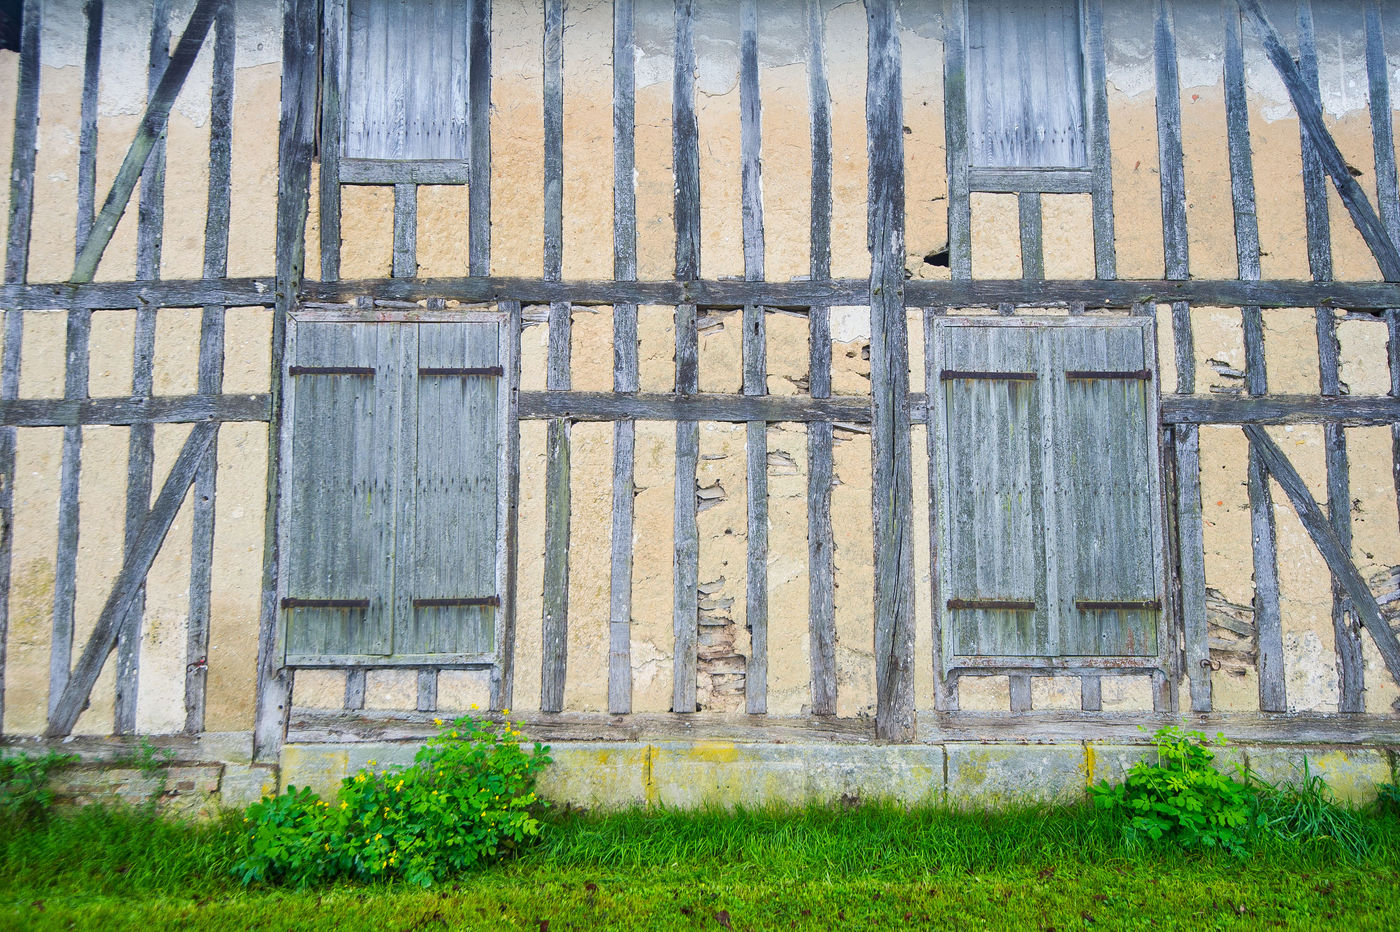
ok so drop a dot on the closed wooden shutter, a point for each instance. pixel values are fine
(994, 572)
(450, 601)
(404, 87)
(1105, 493)
(1025, 84)
(339, 491)
(1048, 490)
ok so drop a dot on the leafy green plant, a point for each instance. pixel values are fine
(1183, 798)
(1388, 796)
(467, 798)
(1306, 812)
(25, 795)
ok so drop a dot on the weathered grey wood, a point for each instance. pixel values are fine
(955, 103)
(1337, 556)
(451, 578)
(1091, 693)
(553, 138)
(36, 412)
(354, 689)
(945, 696)
(427, 689)
(503, 673)
(755, 366)
(250, 292)
(75, 386)
(296, 141)
(1191, 564)
(1309, 112)
(24, 148)
(479, 115)
(87, 132)
(1031, 180)
(1025, 90)
(1032, 258)
(405, 93)
(1241, 160)
(892, 480)
(333, 73)
(556, 562)
(606, 406)
(392, 171)
(148, 133)
(625, 362)
(1353, 410)
(116, 614)
(1173, 174)
(1020, 689)
(151, 204)
(821, 544)
(1096, 135)
(685, 134)
(211, 364)
(797, 296)
(685, 608)
(405, 230)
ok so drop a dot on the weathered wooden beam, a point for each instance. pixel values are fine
(1351, 410)
(479, 118)
(1032, 253)
(608, 406)
(1337, 556)
(503, 671)
(1029, 180)
(87, 122)
(955, 119)
(1309, 110)
(296, 142)
(892, 481)
(626, 366)
(685, 144)
(332, 173)
(821, 544)
(24, 147)
(150, 130)
(211, 364)
(1096, 132)
(116, 613)
(354, 689)
(405, 230)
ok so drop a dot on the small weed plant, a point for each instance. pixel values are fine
(1388, 798)
(1306, 812)
(1183, 798)
(468, 798)
(24, 785)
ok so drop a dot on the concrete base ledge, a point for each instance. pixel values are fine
(611, 775)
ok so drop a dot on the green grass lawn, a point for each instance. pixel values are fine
(871, 867)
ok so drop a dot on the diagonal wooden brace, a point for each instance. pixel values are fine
(115, 619)
(1310, 115)
(152, 126)
(1339, 561)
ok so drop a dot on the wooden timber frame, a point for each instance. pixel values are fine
(309, 73)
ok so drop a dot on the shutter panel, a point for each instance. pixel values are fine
(1105, 478)
(993, 568)
(339, 491)
(452, 556)
(405, 93)
(1025, 84)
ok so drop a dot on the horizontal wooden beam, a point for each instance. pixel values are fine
(1035, 180)
(394, 171)
(800, 295)
(607, 406)
(183, 409)
(100, 296)
(1351, 410)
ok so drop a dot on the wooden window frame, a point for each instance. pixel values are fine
(952, 665)
(506, 424)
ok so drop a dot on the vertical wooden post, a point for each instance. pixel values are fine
(955, 110)
(1096, 131)
(892, 486)
(300, 49)
(625, 362)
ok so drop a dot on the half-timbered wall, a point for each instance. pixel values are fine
(720, 242)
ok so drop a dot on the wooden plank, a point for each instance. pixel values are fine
(955, 88)
(1020, 689)
(755, 366)
(211, 364)
(503, 672)
(1190, 533)
(945, 697)
(626, 371)
(1030, 180)
(556, 566)
(390, 171)
(892, 481)
(1091, 693)
(354, 689)
(150, 130)
(685, 142)
(427, 689)
(116, 614)
(1337, 556)
(1309, 111)
(607, 406)
(75, 386)
(1173, 174)
(405, 230)
(1032, 257)
(87, 132)
(553, 139)
(151, 203)
(821, 544)
(46, 412)
(333, 73)
(479, 116)
(796, 296)
(1096, 130)
(24, 148)
(296, 141)
(1352, 410)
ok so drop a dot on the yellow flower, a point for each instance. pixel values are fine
(328, 847)
(371, 762)
(505, 711)
(437, 722)
(345, 805)
(475, 706)
(378, 836)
